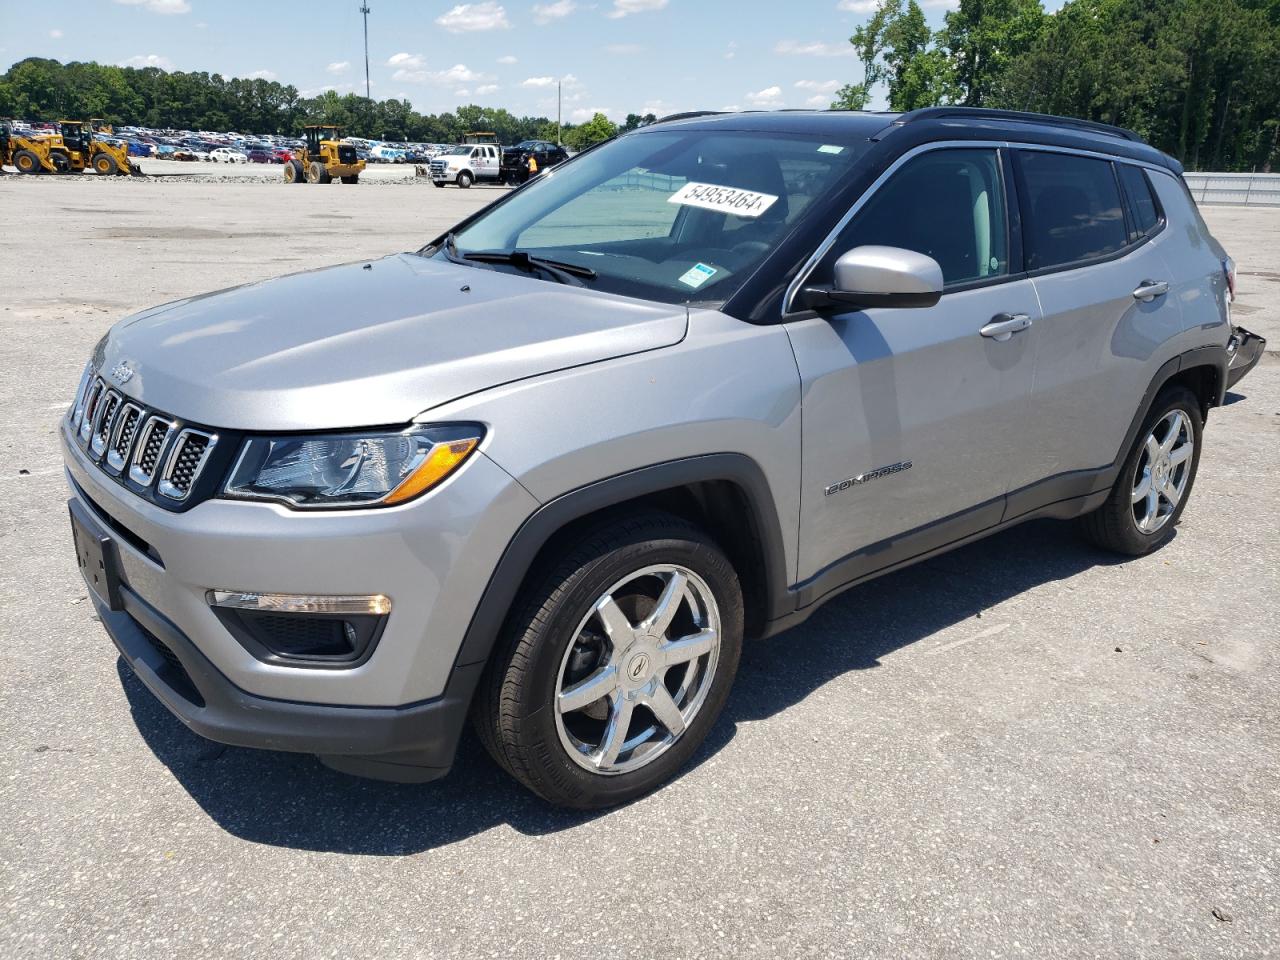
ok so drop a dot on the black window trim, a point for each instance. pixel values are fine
(1128, 199)
(1129, 246)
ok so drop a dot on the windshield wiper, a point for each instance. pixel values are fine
(561, 271)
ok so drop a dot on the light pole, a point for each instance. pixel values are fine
(558, 113)
(364, 9)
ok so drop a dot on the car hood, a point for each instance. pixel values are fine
(368, 343)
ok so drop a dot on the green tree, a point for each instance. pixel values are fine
(982, 37)
(595, 130)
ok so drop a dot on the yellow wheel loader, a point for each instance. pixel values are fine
(88, 152)
(37, 152)
(323, 158)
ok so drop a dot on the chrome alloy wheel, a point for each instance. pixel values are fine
(1163, 471)
(638, 670)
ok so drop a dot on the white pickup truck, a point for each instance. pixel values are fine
(466, 164)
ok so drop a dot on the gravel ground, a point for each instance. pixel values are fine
(1023, 748)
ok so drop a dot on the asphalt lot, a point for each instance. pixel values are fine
(1023, 748)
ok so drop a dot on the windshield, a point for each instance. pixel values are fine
(675, 216)
(458, 151)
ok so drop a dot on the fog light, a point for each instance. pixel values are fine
(301, 629)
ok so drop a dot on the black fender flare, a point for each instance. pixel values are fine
(553, 516)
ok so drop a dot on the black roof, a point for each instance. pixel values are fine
(906, 130)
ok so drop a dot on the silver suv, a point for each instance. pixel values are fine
(549, 471)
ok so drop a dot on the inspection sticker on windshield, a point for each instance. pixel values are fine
(698, 275)
(740, 203)
(830, 148)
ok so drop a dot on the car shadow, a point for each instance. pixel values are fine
(290, 800)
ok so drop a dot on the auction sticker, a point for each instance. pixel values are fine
(699, 274)
(740, 203)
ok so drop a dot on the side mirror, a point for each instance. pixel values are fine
(879, 277)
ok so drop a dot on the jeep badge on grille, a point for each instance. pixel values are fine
(122, 373)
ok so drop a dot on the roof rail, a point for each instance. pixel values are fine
(1014, 116)
(671, 117)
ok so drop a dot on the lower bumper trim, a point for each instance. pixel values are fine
(413, 742)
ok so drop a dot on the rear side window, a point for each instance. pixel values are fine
(1144, 215)
(948, 204)
(1071, 209)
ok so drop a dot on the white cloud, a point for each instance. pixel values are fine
(149, 60)
(159, 6)
(940, 4)
(56, 34)
(262, 75)
(768, 97)
(464, 92)
(732, 50)
(459, 73)
(202, 25)
(485, 89)
(624, 8)
(731, 108)
(814, 48)
(472, 17)
(408, 61)
(858, 6)
(568, 81)
(583, 114)
(337, 67)
(508, 59)
(544, 13)
(819, 100)
(819, 86)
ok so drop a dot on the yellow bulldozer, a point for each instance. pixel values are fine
(73, 149)
(324, 157)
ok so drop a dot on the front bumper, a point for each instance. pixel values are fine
(412, 743)
(1244, 349)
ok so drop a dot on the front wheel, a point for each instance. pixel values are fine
(614, 668)
(464, 180)
(1155, 482)
(354, 178)
(26, 162)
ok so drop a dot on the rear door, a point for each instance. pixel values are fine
(912, 416)
(1093, 234)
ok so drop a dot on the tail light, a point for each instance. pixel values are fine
(1229, 271)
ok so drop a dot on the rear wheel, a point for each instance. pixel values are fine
(26, 162)
(315, 172)
(354, 178)
(105, 165)
(615, 667)
(1155, 482)
(464, 180)
(293, 172)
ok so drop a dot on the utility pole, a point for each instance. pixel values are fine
(558, 113)
(364, 9)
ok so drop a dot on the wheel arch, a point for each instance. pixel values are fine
(1202, 370)
(726, 493)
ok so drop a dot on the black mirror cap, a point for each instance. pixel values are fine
(826, 299)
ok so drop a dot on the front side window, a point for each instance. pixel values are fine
(947, 204)
(674, 215)
(1071, 209)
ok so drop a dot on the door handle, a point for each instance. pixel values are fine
(1148, 290)
(1005, 325)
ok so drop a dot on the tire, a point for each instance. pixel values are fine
(438, 183)
(293, 172)
(26, 162)
(105, 165)
(354, 178)
(1163, 462)
(555, 640)
(465, 180)
(315, 172)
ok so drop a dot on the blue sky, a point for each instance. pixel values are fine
(617, 56)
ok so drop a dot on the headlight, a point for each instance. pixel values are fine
(375, 468)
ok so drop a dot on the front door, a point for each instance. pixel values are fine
(912, 416)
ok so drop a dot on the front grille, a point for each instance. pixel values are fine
(184, 463)
(437, 169)
(122, 437)
(148, 451)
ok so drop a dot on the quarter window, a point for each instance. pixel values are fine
(1071, 209)
(948, 204)
(1144, 216)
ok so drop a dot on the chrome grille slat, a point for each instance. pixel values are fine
(90, 407)
(146, 452)
(185, 461)
(123, 435)
(82, 390)
(104, 418)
